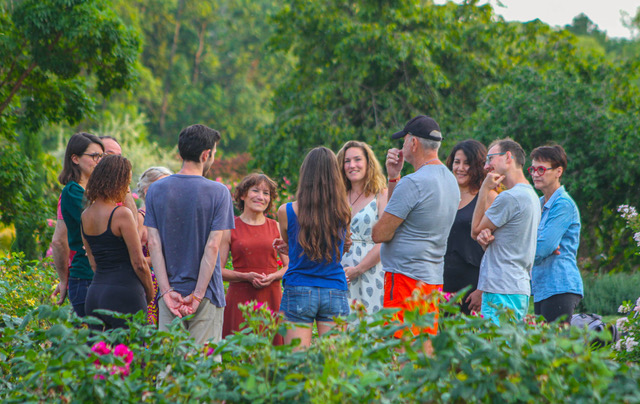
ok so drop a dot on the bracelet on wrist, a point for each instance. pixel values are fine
(394, 179)
(161, 295)
(199, 299)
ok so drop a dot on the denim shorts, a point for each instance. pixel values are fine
(304, 304)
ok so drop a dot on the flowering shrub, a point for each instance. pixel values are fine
(102, 350)
(49, 356)
(260, 319)
(630, 214)
(627, 348)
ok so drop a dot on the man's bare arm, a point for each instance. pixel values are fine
(385, 228)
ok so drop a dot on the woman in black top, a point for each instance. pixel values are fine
(463, 256)
(122, 280)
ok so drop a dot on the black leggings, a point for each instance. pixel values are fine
(556, 306)
(123, 298)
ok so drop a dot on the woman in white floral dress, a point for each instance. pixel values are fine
(367, 194)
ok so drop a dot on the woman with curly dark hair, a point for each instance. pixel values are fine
(462, 259)
(255, 275)
(315, 227)
(122, 280)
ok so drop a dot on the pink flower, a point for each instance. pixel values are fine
(447, 296)
(286, 181)
(258, 305)
(101, 348)
(210, 351)
(119, 370)
(51, 222)
(135, 196)
(218, 179)
(124, 352)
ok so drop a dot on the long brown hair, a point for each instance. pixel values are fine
(374, 180)
(323, 210)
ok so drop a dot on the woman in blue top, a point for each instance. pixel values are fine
(556, 283)
(83, 153)
(315, 227)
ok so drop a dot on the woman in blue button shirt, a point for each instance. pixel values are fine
(556, 283)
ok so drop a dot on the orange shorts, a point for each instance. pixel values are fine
(399, 293)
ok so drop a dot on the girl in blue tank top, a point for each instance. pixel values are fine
(315, 227)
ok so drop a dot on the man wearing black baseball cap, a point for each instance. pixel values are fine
(415, 224)
(421, 126)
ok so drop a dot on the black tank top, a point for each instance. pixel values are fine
(462, 260)
(111, 255)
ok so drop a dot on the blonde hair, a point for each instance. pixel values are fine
(374, 180)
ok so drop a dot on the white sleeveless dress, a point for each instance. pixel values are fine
(368, 288)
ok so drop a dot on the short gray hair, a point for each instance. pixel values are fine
(151, 175)
(428, 144)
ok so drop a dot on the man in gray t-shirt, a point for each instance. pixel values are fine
(508, 230)
(416, 222)
(186, 216)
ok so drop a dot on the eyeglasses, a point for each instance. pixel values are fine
(540, 170)
(489, 156)
(94, 156)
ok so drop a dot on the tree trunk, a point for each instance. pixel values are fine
(196, 65)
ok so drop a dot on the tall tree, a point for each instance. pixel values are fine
(207, 63)
(52, 52)
(366, 67)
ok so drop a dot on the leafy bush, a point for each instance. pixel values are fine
(627, 347)
(24, 284)
(604, 292)
(474, 361)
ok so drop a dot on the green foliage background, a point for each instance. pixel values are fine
(278, 78)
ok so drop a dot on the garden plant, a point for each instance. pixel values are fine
(48, 354)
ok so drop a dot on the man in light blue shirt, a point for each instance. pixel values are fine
(555, 280)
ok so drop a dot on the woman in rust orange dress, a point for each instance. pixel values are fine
(255, 274)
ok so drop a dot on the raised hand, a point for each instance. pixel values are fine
(394, 163)
(492, 181)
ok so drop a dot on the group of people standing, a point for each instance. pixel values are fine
(350, 234)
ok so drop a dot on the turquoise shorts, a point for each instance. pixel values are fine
(492, 302)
